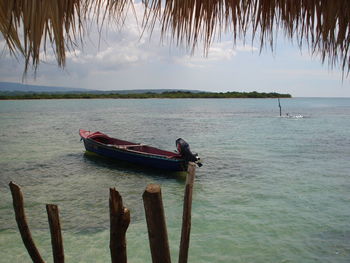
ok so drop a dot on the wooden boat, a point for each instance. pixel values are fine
(101, 144)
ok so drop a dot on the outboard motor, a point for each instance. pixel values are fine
(184, 149)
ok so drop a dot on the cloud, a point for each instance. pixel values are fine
(218, 52)
(119, 48)
(318, 74)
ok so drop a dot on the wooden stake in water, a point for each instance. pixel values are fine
(23, 227)
(56, 236)
(155, 217)
(119, 220)
(186, 216)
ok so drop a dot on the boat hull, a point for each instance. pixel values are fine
(158, 162)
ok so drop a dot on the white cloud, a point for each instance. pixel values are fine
(118, 48)
(302, 73)
(217, 52)
(246, 48)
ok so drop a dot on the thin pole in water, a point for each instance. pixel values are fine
(279, 105)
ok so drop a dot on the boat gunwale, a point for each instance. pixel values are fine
(134, 152)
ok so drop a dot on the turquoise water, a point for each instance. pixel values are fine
(271, 189)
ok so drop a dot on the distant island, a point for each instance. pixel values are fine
(20, 91)
(146, 95)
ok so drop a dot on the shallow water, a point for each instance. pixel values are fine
(271, 189)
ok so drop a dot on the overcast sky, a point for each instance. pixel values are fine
(121, 60)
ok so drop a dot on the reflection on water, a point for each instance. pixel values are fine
(126, 167)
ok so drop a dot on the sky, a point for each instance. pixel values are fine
(119, 59)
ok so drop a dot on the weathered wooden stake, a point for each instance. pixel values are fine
(186, 216)
(55, 230)
(155, 218)
(119, 222)
(23, 227)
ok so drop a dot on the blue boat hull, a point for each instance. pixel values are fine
(153, 161)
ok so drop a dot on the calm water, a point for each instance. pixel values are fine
(271, 189)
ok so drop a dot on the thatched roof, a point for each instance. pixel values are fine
(321, 25)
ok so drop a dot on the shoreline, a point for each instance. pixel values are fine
(1, 99)
(164, 95)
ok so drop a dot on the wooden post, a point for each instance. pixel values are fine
(186, 216)
(157, 231)
(23, 227)
(119, 222)
(55, 230)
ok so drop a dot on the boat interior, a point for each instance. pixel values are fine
(120, 144)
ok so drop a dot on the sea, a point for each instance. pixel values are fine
(271, 189)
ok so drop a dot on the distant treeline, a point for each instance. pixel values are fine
(148, 95)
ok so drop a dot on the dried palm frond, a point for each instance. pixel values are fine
(322, 25)
(29, 25)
